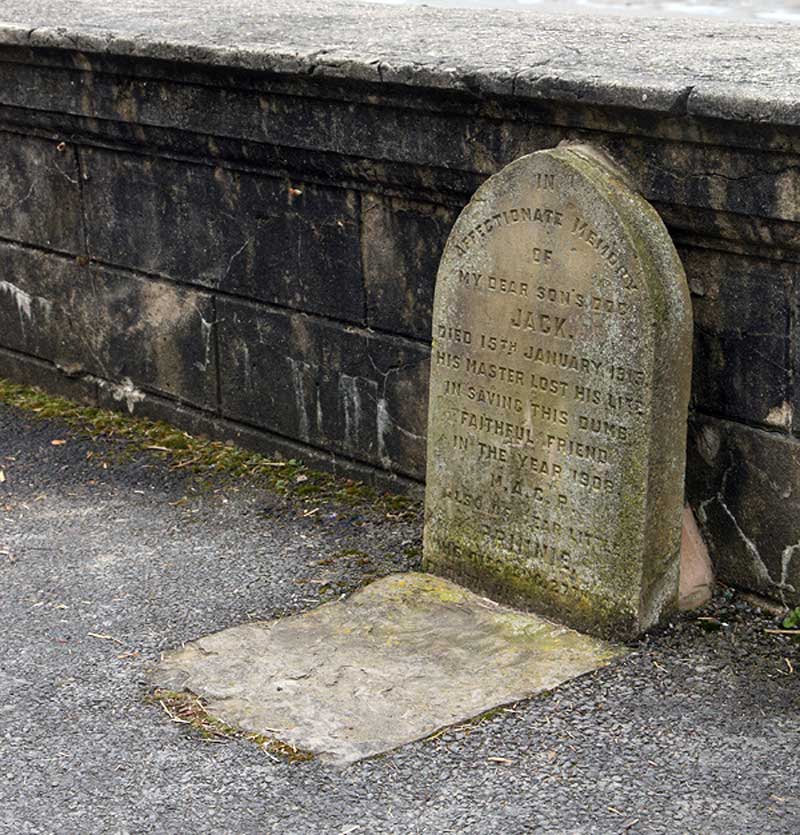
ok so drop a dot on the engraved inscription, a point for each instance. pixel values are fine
(544, 323)
(509, 217)
(541, 384)
(608, 250)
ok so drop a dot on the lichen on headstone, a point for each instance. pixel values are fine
(559, 392)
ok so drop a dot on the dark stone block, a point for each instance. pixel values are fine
(292, 244)
(352, 392)
(741, 343)
(402, 244)
(711, 175)
(744, 486)
(29, 371)
(201, 423)
(40, 201)
(89, 320)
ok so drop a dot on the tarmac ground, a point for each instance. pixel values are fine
(108, 559)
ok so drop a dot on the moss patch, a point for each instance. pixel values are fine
(351, 555)
(475, 723)
(186, 708)
(202, 456)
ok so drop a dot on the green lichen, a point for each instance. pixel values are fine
(410, 588)
(521, 585)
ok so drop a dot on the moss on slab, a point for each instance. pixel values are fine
(475, 723)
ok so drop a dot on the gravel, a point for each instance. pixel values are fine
(103, 568)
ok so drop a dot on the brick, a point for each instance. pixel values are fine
(40, 201)
(402, 245)
(741, 335)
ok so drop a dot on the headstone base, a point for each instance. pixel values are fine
(395, 662)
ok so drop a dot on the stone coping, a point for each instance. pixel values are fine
(734, 71)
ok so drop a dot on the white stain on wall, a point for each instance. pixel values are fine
(781, 415)
(206, 332)
(351, 404)
(124, 391)
(25, 301)
(299, 369)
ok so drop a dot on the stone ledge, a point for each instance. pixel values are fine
(682, 67)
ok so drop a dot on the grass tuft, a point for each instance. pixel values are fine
(186, 708)
(205, 457)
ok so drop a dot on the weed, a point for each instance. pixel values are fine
(204, 457)
(186, 708)
(792, 620)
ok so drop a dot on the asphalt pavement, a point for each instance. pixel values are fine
(108, 559)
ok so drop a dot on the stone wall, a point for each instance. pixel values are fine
(252, 254)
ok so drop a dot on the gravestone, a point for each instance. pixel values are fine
(559, 391)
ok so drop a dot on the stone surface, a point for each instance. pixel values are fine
(398, 660)
(132, 334)
(742, 336)
(697, 575)
(559, 388)
(267, 238)
(349, 390)
(744, 486)
(403, 242)
(668, 65)
(41, 196)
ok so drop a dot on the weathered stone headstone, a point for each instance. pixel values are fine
(559, 390)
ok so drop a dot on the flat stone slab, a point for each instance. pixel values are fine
(396, 661)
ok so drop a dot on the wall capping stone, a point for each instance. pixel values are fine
(677, 66)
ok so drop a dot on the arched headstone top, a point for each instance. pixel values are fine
(559, 390)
